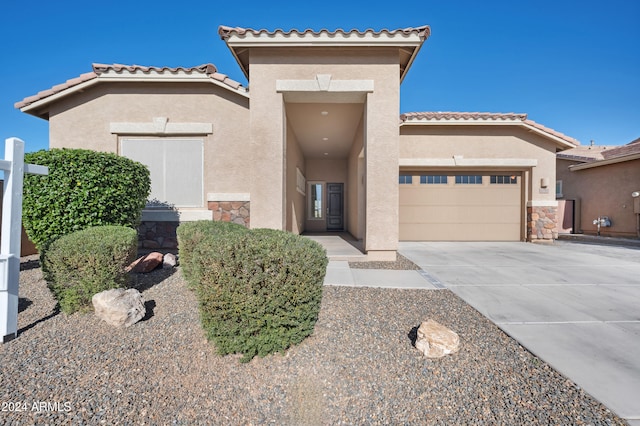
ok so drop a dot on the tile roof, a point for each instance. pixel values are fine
(225, 32)
(620, 151)
(99, 69)
(585, 153)
(483, 117)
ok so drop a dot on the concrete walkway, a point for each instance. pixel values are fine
(576, 306)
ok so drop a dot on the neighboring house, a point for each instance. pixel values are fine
(596, 181)
(316, 145)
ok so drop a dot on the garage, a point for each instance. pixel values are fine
(461, 206)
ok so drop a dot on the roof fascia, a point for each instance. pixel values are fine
(413, 40)
(498, 122)
(607, 162)
(56, 96)
(129, 78)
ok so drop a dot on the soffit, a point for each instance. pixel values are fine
(331, 133)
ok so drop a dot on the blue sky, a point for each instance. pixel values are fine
(572, 66)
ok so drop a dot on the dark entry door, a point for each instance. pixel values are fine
(335, 207)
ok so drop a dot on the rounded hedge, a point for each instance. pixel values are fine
(78, 265)
(259, 290)
(84, 188)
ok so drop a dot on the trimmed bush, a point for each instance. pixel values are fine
(83, 263)
(259, 291)
(83, 189)
(201, 239)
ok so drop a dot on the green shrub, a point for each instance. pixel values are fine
(199, 240)
(83, 189)
(83, 263)
(259, 291)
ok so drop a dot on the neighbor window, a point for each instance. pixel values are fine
(433, 180)
(315, 200)
(503, 179)
(559, 189)
(406, 179)
(468, 179)
(175, 166)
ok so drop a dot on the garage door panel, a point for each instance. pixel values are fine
(461, 212)
(461, 232)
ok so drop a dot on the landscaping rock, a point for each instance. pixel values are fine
(435, 340)
(169, 261)
(119, 307)
(147, 263)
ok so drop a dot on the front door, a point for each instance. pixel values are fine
(335, 209)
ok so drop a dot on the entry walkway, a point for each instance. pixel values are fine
(343, 248)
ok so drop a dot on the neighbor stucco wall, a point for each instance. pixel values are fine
(603, 191)
(267, 65)
(83, 121)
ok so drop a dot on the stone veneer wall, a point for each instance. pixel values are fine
(542, 223)
(159, 235)
(231, 211)
(154, 235)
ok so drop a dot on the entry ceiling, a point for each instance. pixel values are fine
(325, 130)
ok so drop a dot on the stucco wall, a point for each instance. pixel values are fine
(355, 199)
(492, 142)
(267, 65)
(83, 121)
(294, 200)
(603, 191)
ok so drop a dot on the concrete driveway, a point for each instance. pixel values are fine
(576, 306)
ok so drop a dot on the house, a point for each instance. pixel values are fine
(600, 181)
(316, 145)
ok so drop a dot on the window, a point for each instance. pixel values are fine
(559, 189)
(503, 180)
(468, 180)
(406, 179)
(433, 180)
(315, 200)
(175, 166)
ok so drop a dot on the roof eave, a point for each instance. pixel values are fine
(607, 162)
(248, 39)
(497, 122)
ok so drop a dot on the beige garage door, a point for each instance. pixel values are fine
(474, 206)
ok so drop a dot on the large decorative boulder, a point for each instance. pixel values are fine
(119, 307)
(435, 340)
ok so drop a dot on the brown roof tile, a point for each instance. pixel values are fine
(620, 151)
(99, 69)
(585, 153)
(225, 32)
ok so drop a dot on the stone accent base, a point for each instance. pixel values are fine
(231, 211)
(158, 235)
(542, 223)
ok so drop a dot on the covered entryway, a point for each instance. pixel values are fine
(461, 206)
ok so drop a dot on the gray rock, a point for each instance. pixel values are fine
(435, 340)
(119, 307)
(169, 261)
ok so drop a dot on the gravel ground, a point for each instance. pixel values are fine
(359, 367)
(400, 263)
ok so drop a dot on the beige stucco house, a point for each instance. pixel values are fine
(600, 181)
(316, 145)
